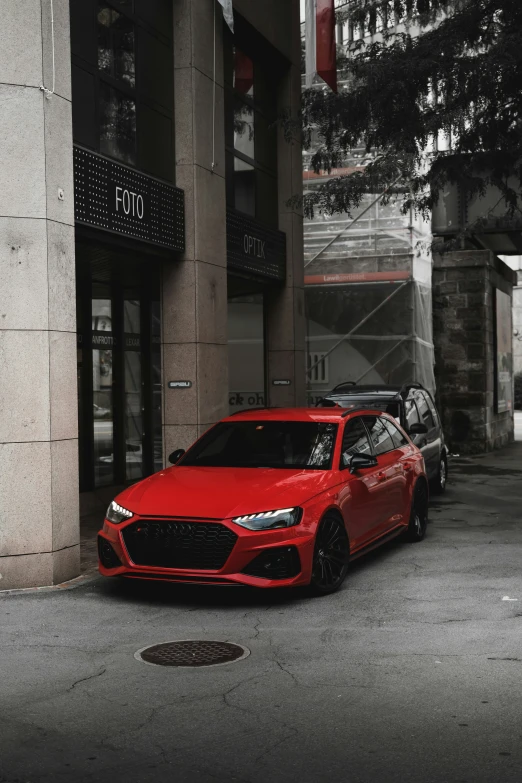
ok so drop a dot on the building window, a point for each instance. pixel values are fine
(116, 55)
(117, 124)
(251, 137)
(122, 79)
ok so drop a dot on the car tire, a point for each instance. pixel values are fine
(439, 483)
(331, 556)
(418, 523)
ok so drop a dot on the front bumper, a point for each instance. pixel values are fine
(284, 557)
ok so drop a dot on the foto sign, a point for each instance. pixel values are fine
(124, 201)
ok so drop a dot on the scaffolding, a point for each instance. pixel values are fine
(368, 297)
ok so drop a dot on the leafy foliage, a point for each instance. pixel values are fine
(454, 69)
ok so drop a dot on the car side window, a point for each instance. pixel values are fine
(355, 438)
(433, 409)
(424, 411)
(398, 438)
(381, 438)
(412, 414)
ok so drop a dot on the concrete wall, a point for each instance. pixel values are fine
(39, 529)
(463, 326)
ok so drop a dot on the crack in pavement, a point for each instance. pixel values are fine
(86, 679)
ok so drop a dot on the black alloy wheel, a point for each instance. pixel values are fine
(439, 483)
(331, 556)
(419, 513)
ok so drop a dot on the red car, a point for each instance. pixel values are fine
(271, 498)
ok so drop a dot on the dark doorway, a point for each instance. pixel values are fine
(119, 365)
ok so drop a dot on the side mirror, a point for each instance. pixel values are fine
(357, 462)
(418, 429)
(175, 457)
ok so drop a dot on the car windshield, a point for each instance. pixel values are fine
(386, 406)
(265, 444)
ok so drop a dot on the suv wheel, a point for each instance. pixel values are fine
(419, 513)
(439, 483)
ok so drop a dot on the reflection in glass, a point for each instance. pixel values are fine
(133, 416)
(246, 352)
(117, 124)
(131, 316)
(157, 433)
(102, 417)
(102, 397)
(243, 74)
(244, 187)
(244, 128)
(116, 45)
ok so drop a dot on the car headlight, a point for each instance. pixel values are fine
(269, 520)
(116, 513)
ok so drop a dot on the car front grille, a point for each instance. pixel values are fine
(203, 546)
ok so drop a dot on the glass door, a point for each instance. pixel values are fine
(119, 372)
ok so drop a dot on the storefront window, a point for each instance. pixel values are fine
(133, 390)
(246, 352)
(102, 388)
(119, 366)
(157, 431)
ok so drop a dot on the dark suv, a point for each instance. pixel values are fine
(414, 409)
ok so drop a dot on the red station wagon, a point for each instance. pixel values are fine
(271, 498)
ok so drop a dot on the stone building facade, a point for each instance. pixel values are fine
(466, 349)
(134, 207)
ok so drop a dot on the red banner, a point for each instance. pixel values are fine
(326, 56)
(357, 277)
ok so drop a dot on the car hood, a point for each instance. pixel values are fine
(220, 493)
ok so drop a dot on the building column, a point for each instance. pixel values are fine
(464, 284)
(39, 520)
(285, 307)
(194, 289)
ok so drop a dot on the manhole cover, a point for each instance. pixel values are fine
(192, 654)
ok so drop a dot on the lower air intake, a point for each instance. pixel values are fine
(277, 563)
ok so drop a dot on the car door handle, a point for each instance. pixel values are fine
(381, 476)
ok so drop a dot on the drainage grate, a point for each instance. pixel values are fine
(192, 654)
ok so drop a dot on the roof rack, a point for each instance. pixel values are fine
(323, 402)
(344, 383)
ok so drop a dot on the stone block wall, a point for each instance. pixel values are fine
(465, 358)
(517, 340)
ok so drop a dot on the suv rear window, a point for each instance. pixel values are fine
(265, 444)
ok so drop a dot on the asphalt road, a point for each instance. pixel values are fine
(411, 673)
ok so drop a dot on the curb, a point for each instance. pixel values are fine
(72, 584)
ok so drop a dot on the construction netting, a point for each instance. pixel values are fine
(368, 297)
